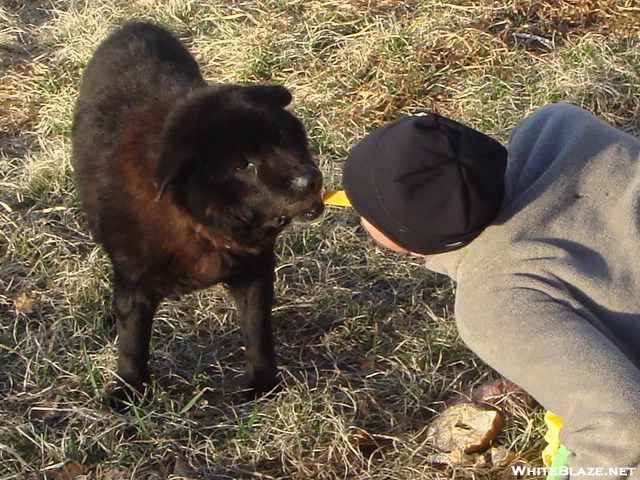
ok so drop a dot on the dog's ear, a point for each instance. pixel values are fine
(274, 95)
(174, 160)
(177, 150)
(184, 130)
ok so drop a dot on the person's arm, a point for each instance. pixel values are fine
(553, 351)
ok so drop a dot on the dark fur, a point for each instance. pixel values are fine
(186, 185)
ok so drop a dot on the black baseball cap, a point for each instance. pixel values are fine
(428, 183)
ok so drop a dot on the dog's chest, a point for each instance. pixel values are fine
(199, 267)
(195, 279)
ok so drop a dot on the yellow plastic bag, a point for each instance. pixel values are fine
(552, 437)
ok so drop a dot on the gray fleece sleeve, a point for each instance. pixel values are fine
(564, 361)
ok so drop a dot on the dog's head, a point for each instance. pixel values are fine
(239, 161)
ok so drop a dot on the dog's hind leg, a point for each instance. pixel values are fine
(253, 295)
(134, 309)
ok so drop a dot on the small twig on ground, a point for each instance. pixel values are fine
(535, 38)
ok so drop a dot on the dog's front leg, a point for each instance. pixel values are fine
(134, 310)
(253, 295)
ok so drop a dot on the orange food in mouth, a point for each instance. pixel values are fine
(336, 197)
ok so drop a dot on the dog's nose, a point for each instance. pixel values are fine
(308, 180)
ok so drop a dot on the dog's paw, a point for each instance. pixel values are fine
(262, 383)
(124, 397)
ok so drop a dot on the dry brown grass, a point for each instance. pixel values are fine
(366, 338)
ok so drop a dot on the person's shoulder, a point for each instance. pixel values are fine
(554, 110)
(552, 118)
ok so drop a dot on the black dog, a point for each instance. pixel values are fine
(186, 185)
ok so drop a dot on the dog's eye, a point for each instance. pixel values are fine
(243, 164)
